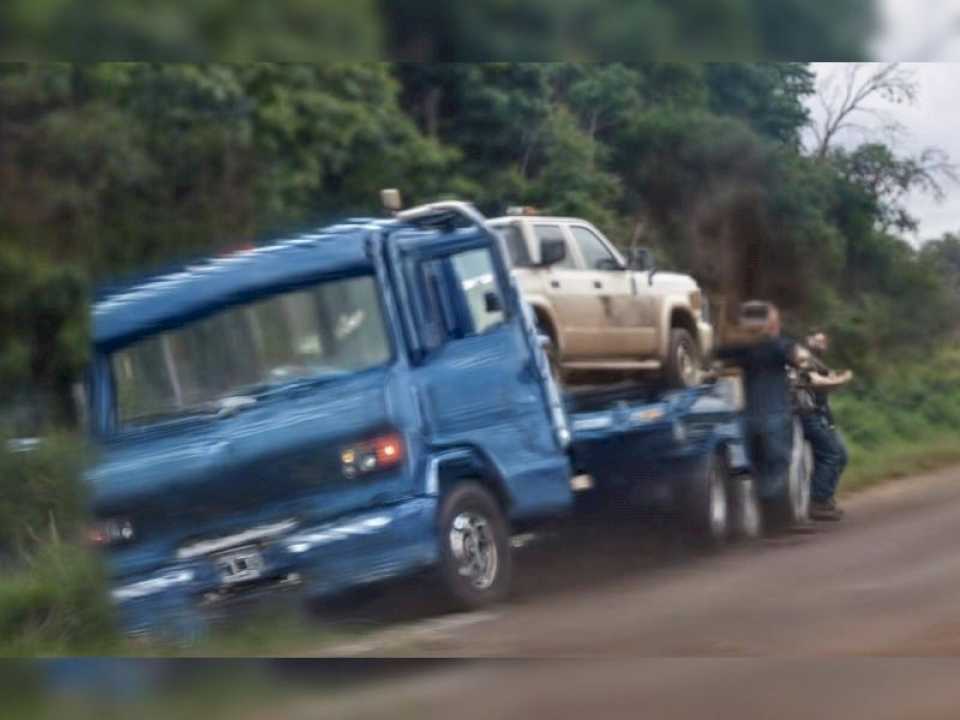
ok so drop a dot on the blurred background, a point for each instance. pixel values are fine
(419, 30)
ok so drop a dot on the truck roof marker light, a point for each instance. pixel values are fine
(391, 200)
(522, 211)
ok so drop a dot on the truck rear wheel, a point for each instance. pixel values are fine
(682, 367)
(792, 506)
(706, 505)
(475, 551)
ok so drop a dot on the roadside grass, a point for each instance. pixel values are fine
(899, 460)
(904, 422)
(54, 605)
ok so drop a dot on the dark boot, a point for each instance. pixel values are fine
(825, 510)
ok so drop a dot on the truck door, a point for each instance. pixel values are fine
(571, 294)
(477, 381)
(620, 327)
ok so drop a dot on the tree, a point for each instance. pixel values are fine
(770, 97)
(623, 30)
(196, 31)
(887, 179)
(850, 93)
(944, 256)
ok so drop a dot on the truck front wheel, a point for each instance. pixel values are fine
(475, 552)
(682, 367)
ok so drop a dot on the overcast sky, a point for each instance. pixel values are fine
(933, 120)
(926, 30)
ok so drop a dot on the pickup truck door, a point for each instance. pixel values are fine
(623, 327)
(476, 379)
(571, 293)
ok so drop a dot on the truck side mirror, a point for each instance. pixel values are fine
(552, 251)
(491, 302)
(642, 260)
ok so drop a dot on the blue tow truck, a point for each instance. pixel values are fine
(360, 403)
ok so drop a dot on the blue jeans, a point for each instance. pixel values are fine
(829, 456)
(770, 444)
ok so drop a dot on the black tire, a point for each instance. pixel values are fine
(706, 506)
(792, 506)
(683, 364)
(465, 570)
(746, 513)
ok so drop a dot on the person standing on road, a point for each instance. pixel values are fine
(768, 406)
(829, 452)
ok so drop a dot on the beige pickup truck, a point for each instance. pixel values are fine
(601, 311)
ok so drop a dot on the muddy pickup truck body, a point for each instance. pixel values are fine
(350, 405)
(602, 311)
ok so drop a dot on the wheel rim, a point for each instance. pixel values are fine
(799, 477)
(718, 506)
(474, 549)
(749, 512)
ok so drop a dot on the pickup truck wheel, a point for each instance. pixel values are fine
(475, 551)
(792, 506)
(706, 503)
(682, 368)
(746, 516)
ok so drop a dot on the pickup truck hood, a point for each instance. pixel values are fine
(674, 281)
(276, 461)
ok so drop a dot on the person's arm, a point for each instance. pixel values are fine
(830, 382)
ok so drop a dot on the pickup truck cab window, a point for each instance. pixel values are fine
(330, 330)
(596, 254)
(518, 253)
(555, 232)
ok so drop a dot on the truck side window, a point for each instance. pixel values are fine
(461, 297)
(595, 253)
(554, 232)
(474, 271)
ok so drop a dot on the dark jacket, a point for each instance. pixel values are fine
(764, 365)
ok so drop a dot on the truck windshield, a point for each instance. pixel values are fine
(327, 331)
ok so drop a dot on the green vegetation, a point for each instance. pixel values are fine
(52, 598)
(903, 422)
(481, 30)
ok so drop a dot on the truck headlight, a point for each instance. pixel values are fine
(379, 453)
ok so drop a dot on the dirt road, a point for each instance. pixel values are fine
(830, 623)
(884, 582)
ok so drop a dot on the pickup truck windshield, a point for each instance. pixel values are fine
(327, 331)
